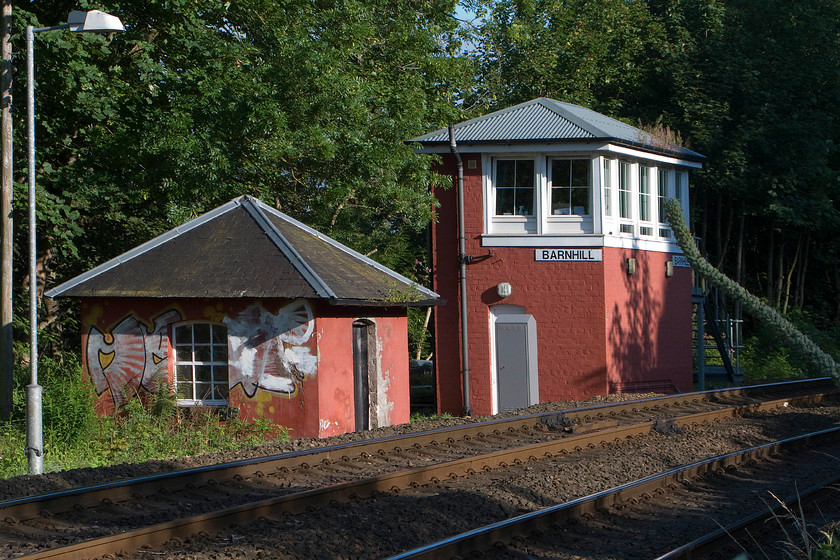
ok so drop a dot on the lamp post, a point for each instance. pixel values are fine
(93, 21)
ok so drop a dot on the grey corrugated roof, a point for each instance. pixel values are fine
(547, 120)
(246, 249)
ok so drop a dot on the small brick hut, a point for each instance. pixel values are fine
(245, 307)
(575, 285)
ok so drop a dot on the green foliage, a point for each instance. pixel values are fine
(768, 316)
(764, 360)
(599, 53)
(429, 416)
(303, 104)
(75, 437)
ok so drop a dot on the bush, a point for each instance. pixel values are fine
(152, 428)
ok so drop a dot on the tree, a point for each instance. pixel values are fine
(303, 103)
(596, 53)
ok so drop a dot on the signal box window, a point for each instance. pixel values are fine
(514, 187)
(571, 185)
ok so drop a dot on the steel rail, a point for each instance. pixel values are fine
(392, 482)
(704, 546)
(56, 502)
(486, 537)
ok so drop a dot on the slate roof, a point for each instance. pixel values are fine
(544, 120)
(247, 249)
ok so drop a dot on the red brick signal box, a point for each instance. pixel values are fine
(574, 283)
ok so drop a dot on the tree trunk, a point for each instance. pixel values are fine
(778, 283)
(419, 353)
(803, 268)
(770, 249)
(789, 276)
(739, 250)
(723, 249)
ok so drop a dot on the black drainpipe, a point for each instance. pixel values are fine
(462, 258)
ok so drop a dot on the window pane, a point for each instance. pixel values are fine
(663, 195)
(184, 374)
(202, 354)
(561, 173)
(525, 173)
(183, 353)
(220, 374)
(220, 392)
(525, 202)
(201, 331)
(203, 391)
(624, 210)
(607, 178)
(203, 373)
(219, 334)
(505, 173)
(220, 353)
(504, 201)
(183, 334)
(580, 201)
(678, 187)
(581, 169)
(560, 203)
(185, 391)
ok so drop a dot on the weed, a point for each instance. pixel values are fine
(149, 428)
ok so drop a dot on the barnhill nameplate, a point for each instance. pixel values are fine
(569, 255)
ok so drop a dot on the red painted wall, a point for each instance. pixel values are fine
(595, 327)
(126, 344)
(335, 341)
(648, 323)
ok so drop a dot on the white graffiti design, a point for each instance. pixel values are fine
(267, 351)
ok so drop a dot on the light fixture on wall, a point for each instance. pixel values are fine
(669, 269)
(504, 289)
(631, 267)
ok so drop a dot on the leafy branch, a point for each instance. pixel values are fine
(783, 328)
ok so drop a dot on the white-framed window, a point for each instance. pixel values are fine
(625, 200)
(645, 201)
(571, 187)
(201, 363)
(514, 184)
(606, 180)
(662, 198)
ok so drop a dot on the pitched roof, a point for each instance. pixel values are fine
(544, 120)
(247, 249)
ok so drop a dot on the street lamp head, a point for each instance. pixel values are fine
(93, 21)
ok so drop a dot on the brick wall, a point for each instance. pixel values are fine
(596, 327)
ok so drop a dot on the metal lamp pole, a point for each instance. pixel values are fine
(93, 21)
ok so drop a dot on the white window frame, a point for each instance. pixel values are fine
(608, 186)
(514, 224)
(626, 199)
(570, 224)
(646, 210)
(215, 363)
(601, 228)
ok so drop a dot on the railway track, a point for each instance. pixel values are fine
(298, 481)
(697, 487)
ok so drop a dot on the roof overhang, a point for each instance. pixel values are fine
(611, 145)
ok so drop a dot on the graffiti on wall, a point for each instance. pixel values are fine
(130, 356)
(270, 351)
(266, 351)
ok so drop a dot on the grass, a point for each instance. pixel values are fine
(154, 428)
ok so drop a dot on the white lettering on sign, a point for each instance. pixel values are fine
(680, 260)
(568, 255)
